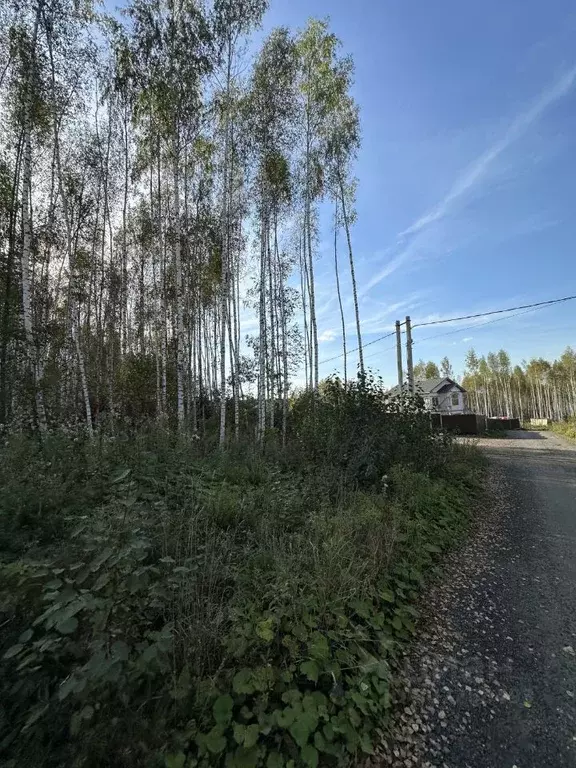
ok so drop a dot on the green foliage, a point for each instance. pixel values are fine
(359, 432)
(428, 370)
(537, 388)
(565, 428)
(203, 607)
(135, 381)
(44, 489)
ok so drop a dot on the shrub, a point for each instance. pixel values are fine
(236, 606)
(360, 431)
(565, 428)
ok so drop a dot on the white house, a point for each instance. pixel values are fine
(440, 395)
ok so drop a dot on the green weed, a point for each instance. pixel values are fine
(565, 428)
(195, 608)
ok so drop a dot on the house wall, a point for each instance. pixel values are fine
(445, 404)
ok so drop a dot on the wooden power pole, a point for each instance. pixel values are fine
(399, 355)
(409, 361)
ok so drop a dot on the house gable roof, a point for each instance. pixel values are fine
(430, 386)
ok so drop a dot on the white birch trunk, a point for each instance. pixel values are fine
(178, 287)
(352, 277)
(74, 313)
(262, 326)
(225, 266)
(31, 353)
(337, 272)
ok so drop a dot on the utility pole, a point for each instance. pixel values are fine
(409, 362)
(399, 355)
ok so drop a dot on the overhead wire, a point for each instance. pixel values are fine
(476, 325)
(518, 310)
(495, 312)
(355, 349)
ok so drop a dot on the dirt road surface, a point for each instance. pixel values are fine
(492, 680)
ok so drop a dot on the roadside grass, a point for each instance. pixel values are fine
(565, 428)
(163, 605)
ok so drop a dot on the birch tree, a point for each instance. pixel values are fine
(272, 109)
(339, 292)
(537, 388)
(341, 141)
(170, 46)
(233, 18)
(59, 25)
(29, 106)
(138, 162)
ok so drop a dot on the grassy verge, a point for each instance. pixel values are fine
(166, 607)
(565, 428)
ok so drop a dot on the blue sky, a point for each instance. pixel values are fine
(467, 173)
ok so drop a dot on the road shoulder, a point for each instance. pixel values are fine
(492, 678)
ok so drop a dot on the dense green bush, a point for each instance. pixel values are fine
(193, 608)
(360, 431)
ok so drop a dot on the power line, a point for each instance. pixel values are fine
(477, 325)
(380, 352)
(458, 330)
(525, 307)
(495, 312)
(349, 351)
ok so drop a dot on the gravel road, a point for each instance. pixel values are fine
(491, 682)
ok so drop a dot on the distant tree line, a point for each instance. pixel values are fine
(535, 389)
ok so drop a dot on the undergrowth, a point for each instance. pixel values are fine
(565, 428)
(168, 605)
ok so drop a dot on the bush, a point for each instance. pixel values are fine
(359, 432)
(235, 606)
(565, 428)
(42, 488)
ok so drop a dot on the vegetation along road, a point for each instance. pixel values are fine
(492, 681)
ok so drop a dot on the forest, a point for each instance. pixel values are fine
(539, 388)
(159, 185)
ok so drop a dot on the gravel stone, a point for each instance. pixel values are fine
(495, 646)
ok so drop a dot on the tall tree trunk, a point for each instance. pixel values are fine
(284, 328)
(225, 247)
(272, 361)
(235, 348)
(74, 311)
(337, 271)
(178, 285)
(6, 324)
(352, 276)
(303, 288)
(163, 291)
(124, 267)
(31, 352)
(310, 263)
(262, 326)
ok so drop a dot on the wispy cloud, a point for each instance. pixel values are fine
(382, 320)
(479, 167)
(388, 270)
(471, 177)
(328, 335)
